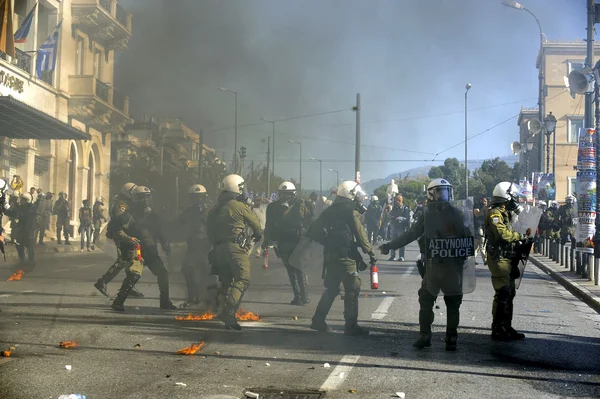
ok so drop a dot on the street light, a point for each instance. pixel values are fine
(550, 128)
(235, 149)
(300, 144)
(273, 124)
(337, 179)
(541, 83)
(320, 175)
(467, 88)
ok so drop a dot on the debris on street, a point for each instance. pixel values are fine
(7, 353)
(192, 349)
(67, 344)
(68, 367)
(327, 365)
(181, 384)
(252, 395)
(401, 395)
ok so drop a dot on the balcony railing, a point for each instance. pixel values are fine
(22, 60)
(102, 90)
(106, 4)
(119, 101)
(122, 16)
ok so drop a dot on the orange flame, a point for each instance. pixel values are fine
(67, 344)
(203, 316)
(17, 276)
(192, 349)
(8, 352)
(247, 316)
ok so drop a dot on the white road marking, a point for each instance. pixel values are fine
(20, 292)
(382, 310)
(76, 268)
(5, 295)
(339, 373)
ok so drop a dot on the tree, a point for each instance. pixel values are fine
(492, 172)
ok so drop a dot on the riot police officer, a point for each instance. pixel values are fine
(24, 230)
(193, 221)
(226, 225)
(440, 220)
(341, 232)
(5, 190)
(566, 222)
(286, 219)
(122, 228)
(121, 204)
(149, 230)
(501, 240)
(372, 219)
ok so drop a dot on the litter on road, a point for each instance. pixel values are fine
(252, 395)
(327, 365)
(401, 395)
(67, 344)
(181, 384)
(68, 367)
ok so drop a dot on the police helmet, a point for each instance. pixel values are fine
(233, 184)
(26, 198)
(127, 189)
(140, 192)
(374, 198)
(542, 204)
(439, 190)
(505, 191)
(100, 199)
(351, 190)
(553, 204)
(569, 199)
(197, 189)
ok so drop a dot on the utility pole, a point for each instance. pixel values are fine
(357, 150)
(589, 62)
(467, 87)
(268, 167)
(201, 157)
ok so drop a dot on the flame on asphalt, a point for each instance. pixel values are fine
(16, 276)
(67, 344)
(203, 316)
(247, 316)
(192, 349)
(8, 352)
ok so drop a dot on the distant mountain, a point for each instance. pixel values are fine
(371, 185)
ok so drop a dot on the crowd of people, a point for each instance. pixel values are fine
(220, 238)
(30, 214)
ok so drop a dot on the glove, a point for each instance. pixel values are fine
(134, 240)
(385, 248)
(372, 260)
(257, 237)
(264, 246)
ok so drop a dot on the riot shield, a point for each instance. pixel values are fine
(450, 247)
(307, 254)
(529, 218)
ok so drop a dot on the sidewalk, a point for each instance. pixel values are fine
(582, 288)
(49, 247)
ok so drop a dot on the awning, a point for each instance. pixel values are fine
(21, 121)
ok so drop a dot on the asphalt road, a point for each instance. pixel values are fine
(560, 358)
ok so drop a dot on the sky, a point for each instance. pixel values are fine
(409, 59)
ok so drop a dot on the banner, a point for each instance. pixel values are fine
(546, 187)
(535, 181)
(585, 190)
(525, 192)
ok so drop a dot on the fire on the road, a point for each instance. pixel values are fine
(16, 276)
(203, 316)
(247, 316)
(67, 344)
(240, 315)
(7, 353)
(192, 349)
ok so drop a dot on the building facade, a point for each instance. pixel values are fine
(557, 60)
(164, 155)
(79, 93)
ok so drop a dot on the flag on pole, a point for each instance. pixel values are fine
(23, 31)
(7, 38)
(46, 55)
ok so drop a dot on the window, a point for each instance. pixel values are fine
(79, 52)
(575, 125)
(98, 64)
(572, 186)
(575, 66)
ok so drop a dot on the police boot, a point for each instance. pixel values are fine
(424, 340)
(319, 324)
(303, 283)
(451, 339)
(228, 318)
(126, 288)
(292, 274)
(453, 303)
(351, 314)
(101, 286)
(499, 331)
(512, 333)
(426, 316)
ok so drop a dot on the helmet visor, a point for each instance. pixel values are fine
(441, 193)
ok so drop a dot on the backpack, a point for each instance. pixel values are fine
(338, 235)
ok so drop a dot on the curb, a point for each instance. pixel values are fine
(580, 292)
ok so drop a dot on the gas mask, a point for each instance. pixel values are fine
(359, 206)
(144, 202)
